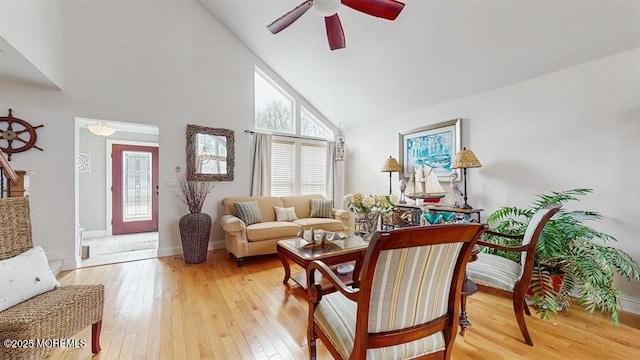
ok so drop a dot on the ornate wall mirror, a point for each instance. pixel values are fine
(210, 153)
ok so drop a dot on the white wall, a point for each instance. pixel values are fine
(161, 62)
(33, 27)
(579, 127)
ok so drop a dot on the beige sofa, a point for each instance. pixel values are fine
(261, 238)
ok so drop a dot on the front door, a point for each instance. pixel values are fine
(134, 189)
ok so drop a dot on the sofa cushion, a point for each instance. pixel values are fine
(25, 276)
(265, 203)
(285, 214)
(321, 209)
(272, 230)
(302, 203)
(321, 223)
(248, 212)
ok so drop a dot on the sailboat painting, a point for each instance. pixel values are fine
(430, 148)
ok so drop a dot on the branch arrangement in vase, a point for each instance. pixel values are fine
(193, 193)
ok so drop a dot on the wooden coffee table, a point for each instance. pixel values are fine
(351, 248)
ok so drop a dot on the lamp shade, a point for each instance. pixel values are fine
(466, 159)
(391, 165)
(101, 129)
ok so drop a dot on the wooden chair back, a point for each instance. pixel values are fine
(409, 290)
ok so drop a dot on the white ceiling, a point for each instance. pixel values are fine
(435, 51)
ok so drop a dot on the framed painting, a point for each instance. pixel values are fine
(433, 145)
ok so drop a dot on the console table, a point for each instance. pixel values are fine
(415, 213)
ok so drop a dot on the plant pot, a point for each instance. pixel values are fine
(556, 280)
(194, 232)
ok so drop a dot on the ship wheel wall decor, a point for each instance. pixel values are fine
(17, 135)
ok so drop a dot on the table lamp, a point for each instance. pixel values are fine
(391, 165)
(465, 159)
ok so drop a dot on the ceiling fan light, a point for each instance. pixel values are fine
(326, 7)
(101, 129)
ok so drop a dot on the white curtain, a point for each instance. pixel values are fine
(261, 165)
(335, 176)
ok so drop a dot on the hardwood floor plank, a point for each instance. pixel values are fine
(166, 309)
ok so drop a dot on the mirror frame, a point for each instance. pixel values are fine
(192, 131)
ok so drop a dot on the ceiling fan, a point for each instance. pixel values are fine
(386, 9)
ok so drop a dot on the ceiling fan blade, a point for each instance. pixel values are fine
(335, 34)
(386, 9)
(287, 19)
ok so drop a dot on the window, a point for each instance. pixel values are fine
(282, 168)
(311, 126)
(313, 169)
(298, 167)
(274, 107)
(298, 162)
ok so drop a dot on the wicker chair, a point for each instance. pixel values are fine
(56, 314)
(408, 301)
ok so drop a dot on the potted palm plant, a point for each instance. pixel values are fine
(195, 227)
(578, 256)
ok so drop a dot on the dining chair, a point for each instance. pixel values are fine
(408, 300)
(498, 274)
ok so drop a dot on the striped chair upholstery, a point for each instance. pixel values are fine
(407, 287)
(496, 272)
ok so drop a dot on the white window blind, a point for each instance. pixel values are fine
(313, 169)
(282, 168)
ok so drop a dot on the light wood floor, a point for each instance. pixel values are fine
(164, 309)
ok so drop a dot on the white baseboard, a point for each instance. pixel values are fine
(170, 251)
(177, 250)
(94, 234)
(630, 304)
(55, 266)
(214, 245)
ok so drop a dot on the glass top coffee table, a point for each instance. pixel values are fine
(349, 249)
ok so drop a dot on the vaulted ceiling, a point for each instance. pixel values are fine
(435, 51)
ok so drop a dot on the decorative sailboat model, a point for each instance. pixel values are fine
(426, 185)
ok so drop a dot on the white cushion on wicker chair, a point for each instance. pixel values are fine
(25, 276)
(494, 271)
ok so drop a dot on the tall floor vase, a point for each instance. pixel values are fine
(194, 232)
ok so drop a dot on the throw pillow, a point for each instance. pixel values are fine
(285, 214)
(25, 276)
(321, 208)
(248, 211)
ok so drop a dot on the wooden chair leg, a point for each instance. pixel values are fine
(311, 343)
(518, 309)
(526, 308)
(95, 337)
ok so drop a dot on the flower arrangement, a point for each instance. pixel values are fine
(370, 203)
(368, 209)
